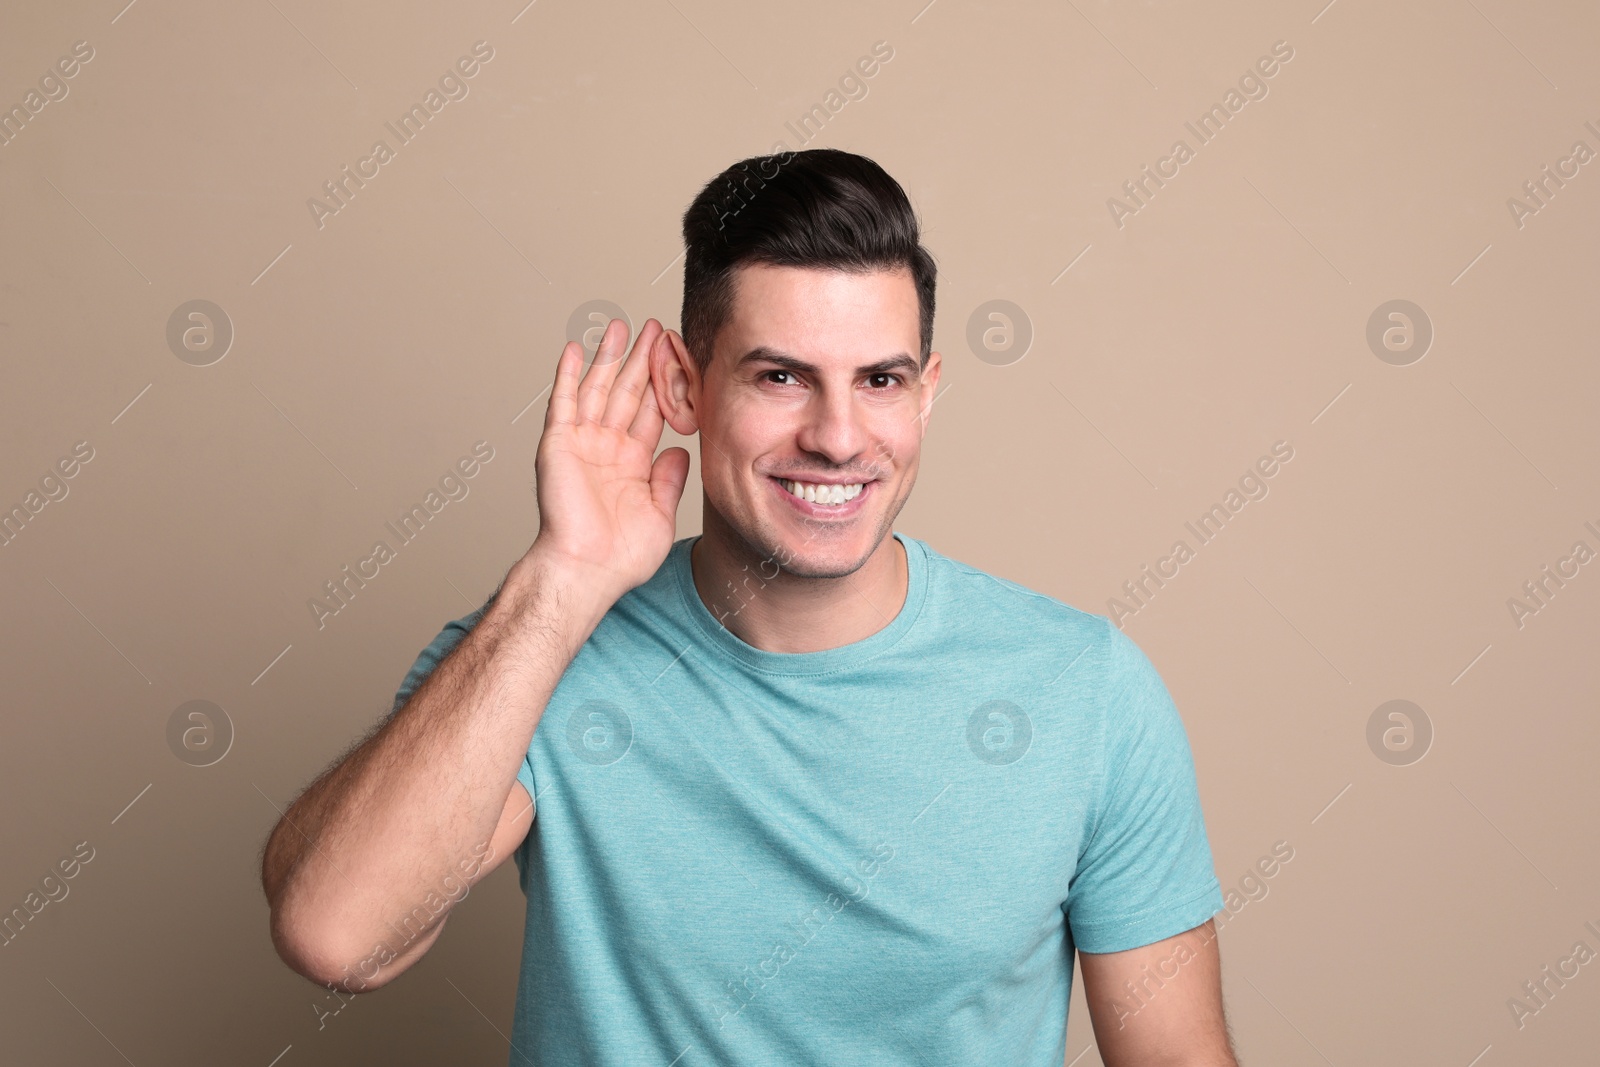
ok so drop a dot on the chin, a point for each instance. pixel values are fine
(820, 553)
(808, 562)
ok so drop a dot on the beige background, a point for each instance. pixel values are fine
(1229, 313)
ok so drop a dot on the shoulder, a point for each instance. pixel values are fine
(985, 599)
(1009, 619)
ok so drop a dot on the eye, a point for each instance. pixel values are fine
(767, 376)
(885, 376)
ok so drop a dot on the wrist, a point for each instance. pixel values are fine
(555, 591)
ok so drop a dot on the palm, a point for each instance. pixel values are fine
(603, 504)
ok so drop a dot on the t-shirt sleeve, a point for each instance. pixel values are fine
(430, 658)
(1146, 872)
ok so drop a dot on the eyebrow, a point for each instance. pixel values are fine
(767, 354)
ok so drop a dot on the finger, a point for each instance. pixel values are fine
(597, 380)
(647, 423)
(634, 379)
(668, 475)
(563, 406)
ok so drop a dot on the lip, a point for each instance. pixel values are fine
(834, 512)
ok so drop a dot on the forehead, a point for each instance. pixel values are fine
(815, 313)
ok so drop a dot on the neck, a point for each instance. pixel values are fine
(769, 608)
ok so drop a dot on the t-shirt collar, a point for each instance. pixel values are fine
(827, 661)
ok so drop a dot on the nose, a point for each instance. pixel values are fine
(833, 427)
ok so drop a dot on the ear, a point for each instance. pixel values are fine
(929, 389)
(675, 377)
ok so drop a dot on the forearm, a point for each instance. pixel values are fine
(396, 818)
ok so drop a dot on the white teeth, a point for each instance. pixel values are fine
(823, 494)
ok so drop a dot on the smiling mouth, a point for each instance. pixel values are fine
(823, 493)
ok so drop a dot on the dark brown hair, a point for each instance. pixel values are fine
(820, 208)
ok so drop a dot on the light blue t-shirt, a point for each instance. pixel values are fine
(880, 853)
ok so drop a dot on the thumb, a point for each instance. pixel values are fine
(668, 475)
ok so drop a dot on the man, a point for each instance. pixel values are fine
(807, 791)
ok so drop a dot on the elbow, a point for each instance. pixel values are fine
(305, 952)
(331, 955)
(323, 956)
(306, 941)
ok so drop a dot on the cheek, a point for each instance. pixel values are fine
(749, 432)
(899, 449)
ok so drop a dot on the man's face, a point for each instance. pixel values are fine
(814, 395)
